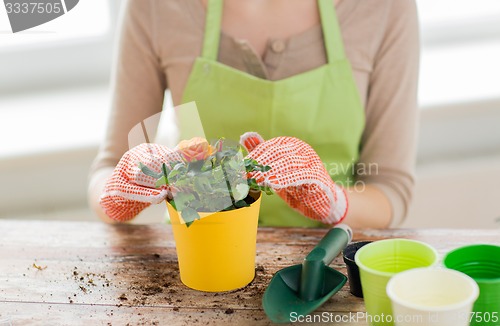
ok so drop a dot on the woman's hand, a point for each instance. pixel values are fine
(128, 191)
(298, 176)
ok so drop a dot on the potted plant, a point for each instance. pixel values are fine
(214, 211)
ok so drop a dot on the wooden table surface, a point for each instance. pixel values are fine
(96, 274)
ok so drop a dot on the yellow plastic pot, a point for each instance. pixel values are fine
(217, 252)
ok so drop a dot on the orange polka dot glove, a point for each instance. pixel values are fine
(298, 176)
(129, 191)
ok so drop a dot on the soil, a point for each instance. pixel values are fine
(86, 281)
(155, 282)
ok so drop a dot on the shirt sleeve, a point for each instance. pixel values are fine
(138, 81)
(389, 140)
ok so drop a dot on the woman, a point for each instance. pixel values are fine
(281, 67)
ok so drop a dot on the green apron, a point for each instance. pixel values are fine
(321, 107)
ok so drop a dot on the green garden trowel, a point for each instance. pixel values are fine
(301, 289)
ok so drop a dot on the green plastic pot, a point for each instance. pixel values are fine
(482, 263)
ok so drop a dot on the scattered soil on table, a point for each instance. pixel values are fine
(86, 281)
(152, 290)
(123, 297)
(155, 281)
(152, 282)
(260, 269)
(39, 267)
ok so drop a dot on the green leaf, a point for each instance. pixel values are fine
(149, 172)
(243, 151)
(165, 169)
(240, 191)
(179, 168)
(262, 168)
(208, 165)
(252, 165)
(162, 181)
(268, 191)
(189, 215)
(233, 164)
(195, 166)
(220, 189)
(250, 162)
(173, 173)
(252, 183)
(195, 204)
(202, 185)
(219, 203)
(218, 174)
(184, 183)
(182, 199)
(240, 204)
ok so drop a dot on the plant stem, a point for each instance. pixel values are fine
(227, 183)
(164, 170)
(165, 173)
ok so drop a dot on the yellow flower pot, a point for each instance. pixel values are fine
(217, 252)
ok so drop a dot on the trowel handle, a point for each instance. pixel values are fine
(313, 267)
(332, 244)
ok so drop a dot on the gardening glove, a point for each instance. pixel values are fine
(129, 190)
(298, 176)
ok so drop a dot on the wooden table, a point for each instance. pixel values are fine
(67, 273)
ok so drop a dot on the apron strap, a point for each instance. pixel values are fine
(331, 31)
(212, 30)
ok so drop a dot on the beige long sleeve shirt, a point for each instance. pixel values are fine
(160, 40)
